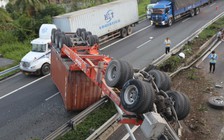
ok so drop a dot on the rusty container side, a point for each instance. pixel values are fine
(77, 90)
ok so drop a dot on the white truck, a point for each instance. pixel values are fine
(37, 61)
(107, 21)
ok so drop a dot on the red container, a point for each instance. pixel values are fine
(77, 90)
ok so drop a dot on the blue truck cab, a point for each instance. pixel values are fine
(165, 12)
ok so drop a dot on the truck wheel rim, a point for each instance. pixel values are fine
(217, 101)
(112, 71)
(46, 69)
(130, 94)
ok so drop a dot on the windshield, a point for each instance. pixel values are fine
(158, 11)
(38, 47)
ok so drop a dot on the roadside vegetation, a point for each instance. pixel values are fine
(20, 22)
(174, 62)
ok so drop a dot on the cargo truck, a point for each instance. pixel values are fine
(165, 12)
(107, 21)
(37, 61)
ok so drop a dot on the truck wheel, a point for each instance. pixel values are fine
(96, 39)
(45, 69)
(124, 32)
(90, 40)
(84, 35)
(53, 35)
(170, 22)
(186, 108)
(134, 95)
(157, 77)
(129, 30)
(216, 102)
(115, 74)
(167, 82)
(56, 38)
(178, 102)
(192, 13)
(197, 11)
(79, 31)
(68, 41)
(61, 41)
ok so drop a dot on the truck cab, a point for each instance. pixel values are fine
(37, 61)
(162, 13)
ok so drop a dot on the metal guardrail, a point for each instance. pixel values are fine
(9, 70)
(75, 121)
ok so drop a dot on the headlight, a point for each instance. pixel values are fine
(25, 64)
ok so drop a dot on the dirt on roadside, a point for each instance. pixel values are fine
(203, 122)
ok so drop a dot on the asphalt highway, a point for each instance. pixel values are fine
(31, 106)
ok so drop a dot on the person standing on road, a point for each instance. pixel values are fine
(213, 58)
(167, 44)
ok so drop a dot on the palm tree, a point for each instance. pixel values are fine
(30, 7)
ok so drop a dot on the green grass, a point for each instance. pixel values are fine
(15, 51)
(142, 7)
(91, 123)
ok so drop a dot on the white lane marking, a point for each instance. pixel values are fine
(51, 96)
(185, 20)
(132, 130)
(143, 44)
(212, 4)
(22, 87)
(125, 38)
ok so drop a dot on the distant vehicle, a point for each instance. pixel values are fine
(107, 21)
(165, 12)
(37, 61)
(149, 10)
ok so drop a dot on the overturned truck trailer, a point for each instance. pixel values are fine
(83, 76)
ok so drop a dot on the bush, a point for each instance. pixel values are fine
(7, 37)
(15, 51)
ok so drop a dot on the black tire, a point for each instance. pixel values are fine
(56, 38)
(53, 35)
(61, 41)
(115, 74)
(124, 32)
(186, 108)
(216, 102)
(96, 39)
(129, 30)
(197, 11)
(127, 75)
(167, 82)
(79, 31)
(170, 22)
(90, 40)
(178, 102)
(68, 41)
(158, 78)
(45, 69)
(133, 95)
(150, 97)
(192, 12)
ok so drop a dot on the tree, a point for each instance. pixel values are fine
(30, 7)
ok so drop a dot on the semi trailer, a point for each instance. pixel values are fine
(107, 21)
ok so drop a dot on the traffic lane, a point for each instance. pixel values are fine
(138, 27)
(177, 32)
(38, 122)
(155, 48)
(12, 83)
(28, 112)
